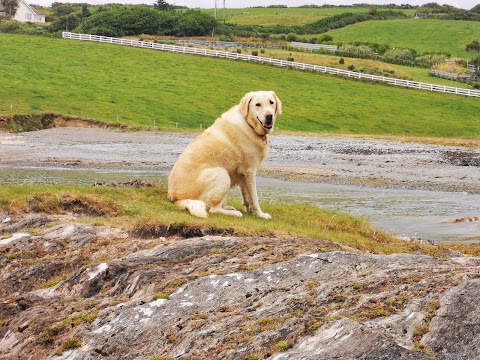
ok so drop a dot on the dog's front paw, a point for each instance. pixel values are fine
(236, 213)
(264, 216)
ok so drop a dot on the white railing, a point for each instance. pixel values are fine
(450, 75)
(313, 46)
(271, 61)
(471, 68)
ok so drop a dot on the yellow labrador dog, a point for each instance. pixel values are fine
(226, 154)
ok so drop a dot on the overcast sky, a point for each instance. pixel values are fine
(464, 4)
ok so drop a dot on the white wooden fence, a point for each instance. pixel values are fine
(313, 46)
(276, 62)
(449, 75)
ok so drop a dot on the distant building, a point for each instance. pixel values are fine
(25, 13)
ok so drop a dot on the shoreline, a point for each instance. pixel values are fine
(332, 160)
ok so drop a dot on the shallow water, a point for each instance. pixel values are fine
(424, 215)
(421, 214)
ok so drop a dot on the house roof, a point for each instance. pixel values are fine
(35, 11)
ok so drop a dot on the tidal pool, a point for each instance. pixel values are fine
(427, 215)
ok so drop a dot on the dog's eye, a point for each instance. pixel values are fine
(271, 102)
(257, 104)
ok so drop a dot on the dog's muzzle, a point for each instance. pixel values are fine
(268, 124)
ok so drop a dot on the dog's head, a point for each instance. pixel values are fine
(260, 109)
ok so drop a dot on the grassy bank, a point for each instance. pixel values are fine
(285, 16)
(142, 88)
(423, 35)
(146, 212)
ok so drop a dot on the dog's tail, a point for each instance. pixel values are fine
(195, 207)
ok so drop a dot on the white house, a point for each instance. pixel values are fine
(25, 13)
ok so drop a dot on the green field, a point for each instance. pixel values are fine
(285, 16)
(140, 86)
(423, 35)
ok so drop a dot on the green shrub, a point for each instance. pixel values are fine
(9, 26)
(292, 37)
(136, 20)
(255, 53)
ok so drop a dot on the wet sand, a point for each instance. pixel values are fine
(410, 188)
(333, 160)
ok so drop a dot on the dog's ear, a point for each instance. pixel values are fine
(278, 104)
(245, 104)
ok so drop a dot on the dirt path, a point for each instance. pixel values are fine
(334, 160)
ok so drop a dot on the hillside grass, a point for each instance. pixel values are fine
(381, 68)
(141, 87)
(423, 35)
(147, 211)
(285, 16)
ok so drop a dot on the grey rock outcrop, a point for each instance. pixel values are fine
(118, 296)
(359, 299)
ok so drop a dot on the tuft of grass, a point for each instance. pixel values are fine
(161, 296)
(81, 318)
(71, 344)
(51, 282)
(48, 334)
(282, 345)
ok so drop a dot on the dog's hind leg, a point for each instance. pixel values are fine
(215, 195)
(196, 207)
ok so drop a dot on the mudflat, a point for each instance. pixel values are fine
(328, 159)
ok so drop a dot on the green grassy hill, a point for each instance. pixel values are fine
(140, 86)
(285, 16)
(423, 35)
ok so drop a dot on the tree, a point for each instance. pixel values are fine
(85, 11)
(475, 46)
(475, 9)
(10, 6)
(161, 5)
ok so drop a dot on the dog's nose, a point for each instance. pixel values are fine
(269, 118)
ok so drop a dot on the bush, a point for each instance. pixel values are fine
(225, 38)
(135, 20)
(360, 50)
(255, 53)
(404, 54)
(341, 61)
(351, 67)
(292, 37)
(9, 26)
(290, 58)
(324, 38)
